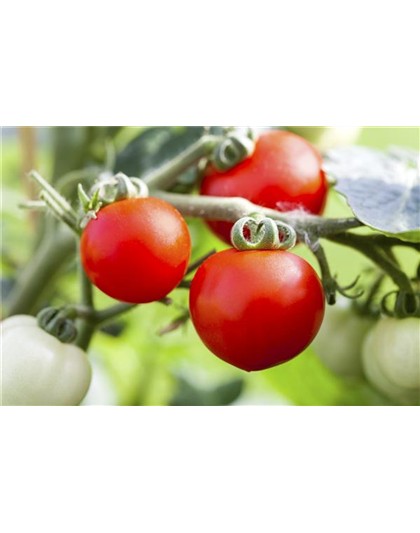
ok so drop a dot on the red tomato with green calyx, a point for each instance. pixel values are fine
(137, 250)
(256, 309)
(283, 173)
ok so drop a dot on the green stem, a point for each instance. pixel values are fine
(40, 272)
(385, 241)
(195, 264)
(328, 282)
(99, 317)
(112, 312)
(165, 176)
(232, 209)
(85, 326)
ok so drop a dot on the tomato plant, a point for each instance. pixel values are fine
(283, 173)
(256, 309)
(38, 369)
(255, 306)
(137, 250)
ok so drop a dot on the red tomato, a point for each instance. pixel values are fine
(137, 250)
(284, 173)
(256, 309)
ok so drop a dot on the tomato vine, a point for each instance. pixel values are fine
(225, 150)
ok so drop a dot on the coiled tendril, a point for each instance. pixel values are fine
(233, 150)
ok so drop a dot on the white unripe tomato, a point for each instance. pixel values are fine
(398, 350)
(376, 352)
(38, 369)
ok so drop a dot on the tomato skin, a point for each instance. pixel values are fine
(284, 173)
(137, 250)
(256, 309)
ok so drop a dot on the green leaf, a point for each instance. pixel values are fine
(153, 147)
(381, 188)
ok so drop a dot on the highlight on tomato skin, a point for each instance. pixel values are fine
(137, 250)
(256, 309)
(284, 173)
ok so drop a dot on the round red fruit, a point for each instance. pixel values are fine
(137, 250)
(283, 173)
(256, 309)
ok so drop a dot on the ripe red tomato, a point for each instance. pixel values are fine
(137, 250)
(256, 309)
(284, 173)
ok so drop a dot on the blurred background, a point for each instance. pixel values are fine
(133, 362)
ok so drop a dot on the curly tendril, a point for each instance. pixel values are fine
(264, 234)
(234, 148)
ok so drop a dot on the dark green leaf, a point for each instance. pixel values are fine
(382, 188)
(154, 146)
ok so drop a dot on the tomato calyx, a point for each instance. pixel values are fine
(58, 323)
(264, 234)
(106, 191)
(119, 187)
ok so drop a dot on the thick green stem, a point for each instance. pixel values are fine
(34, 280)
(166, 175)
(85, 326)
(232, 209)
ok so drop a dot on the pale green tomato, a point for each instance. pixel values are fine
(325, 137)
(396, 344)
(38, 369)
(378, 379)
(340, 340)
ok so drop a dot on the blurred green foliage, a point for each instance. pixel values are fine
(133, 365)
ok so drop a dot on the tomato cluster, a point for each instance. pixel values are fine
(253, 309)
